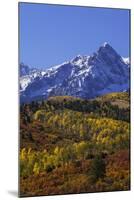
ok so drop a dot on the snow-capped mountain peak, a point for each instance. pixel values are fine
(84, 76)
(105, 44)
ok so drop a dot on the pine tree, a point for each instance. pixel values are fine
(97, 168)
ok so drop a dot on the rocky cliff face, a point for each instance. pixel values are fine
(84, 76)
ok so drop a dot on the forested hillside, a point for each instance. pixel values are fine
(71, 145)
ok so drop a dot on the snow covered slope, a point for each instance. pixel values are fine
(126, 60)
(84, 76)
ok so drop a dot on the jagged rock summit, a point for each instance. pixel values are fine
(84, 76)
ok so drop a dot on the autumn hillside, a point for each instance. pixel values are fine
(72, 145)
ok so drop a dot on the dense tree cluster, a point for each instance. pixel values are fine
(74, 139)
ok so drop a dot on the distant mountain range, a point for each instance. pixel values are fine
(84, 76)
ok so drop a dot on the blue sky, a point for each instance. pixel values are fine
(52, 34)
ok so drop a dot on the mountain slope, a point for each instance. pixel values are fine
(84, 76)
